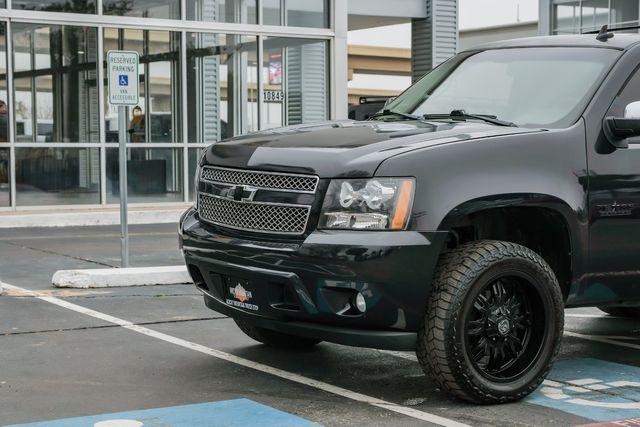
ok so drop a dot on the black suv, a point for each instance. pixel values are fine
(458, 222)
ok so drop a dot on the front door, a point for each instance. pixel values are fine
(614, 213)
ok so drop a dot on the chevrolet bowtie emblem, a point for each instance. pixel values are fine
(241, 193)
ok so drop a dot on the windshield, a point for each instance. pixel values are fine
(535, 87)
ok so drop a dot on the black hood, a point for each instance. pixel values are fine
(342, 148)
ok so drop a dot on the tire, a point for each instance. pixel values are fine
(273, 338)
(476, 287)
(633, 312)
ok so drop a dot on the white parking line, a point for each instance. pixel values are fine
(400, 354)
(589, 316)
(320, 385)
(603, 339)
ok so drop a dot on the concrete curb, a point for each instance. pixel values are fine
(118, 277)
(89, 218)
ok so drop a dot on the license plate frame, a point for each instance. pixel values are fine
(239, 293)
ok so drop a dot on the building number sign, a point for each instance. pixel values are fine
(273, 96)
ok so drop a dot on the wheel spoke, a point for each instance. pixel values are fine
(515, 344)
(522, 322)
(499, 334)
(499, 291)
(493, 358)
(515, 305)
(475, 327)
(503, 356)
(512, 347)
(514, 338)
(481, 303)
(480, 350)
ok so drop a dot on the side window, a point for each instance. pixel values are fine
(630, 93)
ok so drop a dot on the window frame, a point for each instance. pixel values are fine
(581, 25)
(10, 15)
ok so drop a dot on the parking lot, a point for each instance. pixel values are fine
(127, 352)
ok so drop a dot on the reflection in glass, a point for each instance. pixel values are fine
(160, 9)
(566, 17)
(156, 118)
(55, 75)
(221, 86)
(271, 12)
(272, 70)
(236, 11)
(5, 199)
(154, 175)
(75, 6)
(4, 108)
(307, 13)
(57, 176)
(137, 126)
(624, 12)
(297, 70)
(595, 14)
(194, 157)
(299, 13)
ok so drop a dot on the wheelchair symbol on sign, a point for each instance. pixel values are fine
(558, 391)
(123, 80)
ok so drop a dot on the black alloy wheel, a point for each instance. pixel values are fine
(504, 329)
(494, 322)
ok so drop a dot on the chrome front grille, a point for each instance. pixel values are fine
(252, 216)
(239, 199)
(274, 181)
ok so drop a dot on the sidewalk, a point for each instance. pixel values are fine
(34, 254)
(90, 217)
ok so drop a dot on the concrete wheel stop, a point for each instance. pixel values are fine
(120, 277)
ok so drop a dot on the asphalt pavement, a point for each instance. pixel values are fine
(67, 353)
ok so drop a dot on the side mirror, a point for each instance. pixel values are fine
(622, 131)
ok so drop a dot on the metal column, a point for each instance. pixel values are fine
(339, 75)
(434, 39)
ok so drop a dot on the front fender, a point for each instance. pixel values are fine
(544, 169)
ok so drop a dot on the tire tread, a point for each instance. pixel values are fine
(437, 351)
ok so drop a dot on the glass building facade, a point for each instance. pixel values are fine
(209, 70)
(578, 16)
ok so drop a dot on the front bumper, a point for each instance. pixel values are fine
(304, 287)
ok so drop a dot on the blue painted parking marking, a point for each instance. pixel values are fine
(591, 388)
(228, 413)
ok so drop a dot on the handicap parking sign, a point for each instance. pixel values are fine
(123, 77)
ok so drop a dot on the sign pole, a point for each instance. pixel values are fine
(124, 90)
(124, 224)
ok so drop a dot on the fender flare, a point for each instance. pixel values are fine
(575, 218)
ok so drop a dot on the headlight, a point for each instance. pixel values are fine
(367, 204)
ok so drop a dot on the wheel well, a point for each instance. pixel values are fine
(540, 229)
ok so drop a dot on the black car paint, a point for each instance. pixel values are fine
(460, 168)
(318, 269)
(345, 149)
(614, 178)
